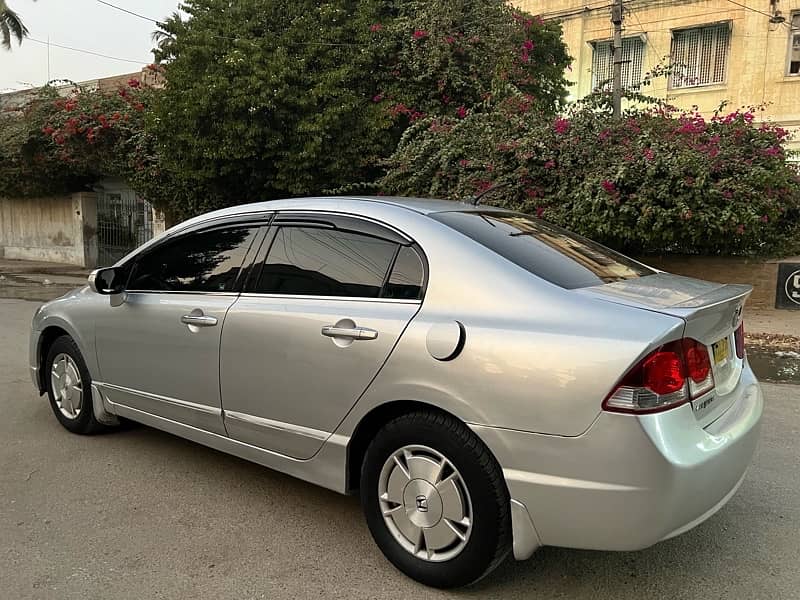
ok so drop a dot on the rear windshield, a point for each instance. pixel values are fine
(552, 253)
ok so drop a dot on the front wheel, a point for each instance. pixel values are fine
(435, 500)
(69, 387)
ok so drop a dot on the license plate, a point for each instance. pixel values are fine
(722, 351)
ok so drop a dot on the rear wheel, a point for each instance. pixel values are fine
(69, 387)
(435, 500)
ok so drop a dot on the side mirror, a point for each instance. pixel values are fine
(108, 281)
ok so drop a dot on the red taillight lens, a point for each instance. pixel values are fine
(698, 363)
(668, 377)
(663, 373)
(739, 337)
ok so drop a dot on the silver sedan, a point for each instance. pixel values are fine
(487, 382)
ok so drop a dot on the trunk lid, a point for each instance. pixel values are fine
(712, 313)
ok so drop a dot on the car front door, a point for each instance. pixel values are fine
(313, 328)
(159, 350)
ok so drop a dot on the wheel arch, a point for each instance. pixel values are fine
(371, 422)
(49, 335)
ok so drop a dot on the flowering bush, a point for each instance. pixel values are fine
(58, 144)
(658, 180)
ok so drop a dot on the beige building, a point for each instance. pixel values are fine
(745, 52)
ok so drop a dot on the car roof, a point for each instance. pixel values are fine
(423, 206)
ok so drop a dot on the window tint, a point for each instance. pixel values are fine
(406, 280)
(309, 261)
(208, 261)
(552, 253)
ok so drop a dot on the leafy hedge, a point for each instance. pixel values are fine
(276, 99)
(657, 180)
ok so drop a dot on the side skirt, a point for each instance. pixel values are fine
(326, 468)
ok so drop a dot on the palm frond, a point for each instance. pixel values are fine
(11, 26)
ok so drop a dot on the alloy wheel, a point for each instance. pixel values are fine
(67, 386)
(425, 503)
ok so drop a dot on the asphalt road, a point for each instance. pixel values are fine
(142, 514)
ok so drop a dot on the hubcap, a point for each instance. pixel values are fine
(425, 503)
(67, 387)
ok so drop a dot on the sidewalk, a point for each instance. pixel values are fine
(38, 281)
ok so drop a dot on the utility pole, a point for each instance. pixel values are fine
(616, 89)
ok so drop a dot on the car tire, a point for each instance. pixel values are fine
(445, 472)
(69, 388)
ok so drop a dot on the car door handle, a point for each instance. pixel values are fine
(354, 333)
(199, 320)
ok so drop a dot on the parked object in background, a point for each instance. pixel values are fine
(489, 383)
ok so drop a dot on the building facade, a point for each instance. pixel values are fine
(707, 52)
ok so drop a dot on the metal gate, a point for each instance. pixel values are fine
(124, 222)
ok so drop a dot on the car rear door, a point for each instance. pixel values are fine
(158, 351)
(314, 326)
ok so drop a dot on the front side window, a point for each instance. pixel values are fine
(700, 55)
(315, 261)
(207, 261)
(603, 64)
(552, 253)
(793, 67)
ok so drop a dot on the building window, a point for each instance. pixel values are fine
(603, 63)
(793, 67)
(700, 55)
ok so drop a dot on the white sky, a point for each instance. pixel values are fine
(84, 24)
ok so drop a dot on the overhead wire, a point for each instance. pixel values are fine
(130, 12)
(84, 51)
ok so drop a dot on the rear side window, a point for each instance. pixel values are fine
(407, 278)
(207, 261)
(311, 261)
(552, 253)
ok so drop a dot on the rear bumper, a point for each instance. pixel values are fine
(629, 481)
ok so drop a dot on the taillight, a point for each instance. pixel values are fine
(739, 338)
(698, 367)
(668, 377)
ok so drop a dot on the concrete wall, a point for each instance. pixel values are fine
(57, 229)
(761, 274)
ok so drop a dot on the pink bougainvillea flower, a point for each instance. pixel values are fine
(550, 164)
(420, 34)
(648, 154)
(740, 229)
(561, 126)
(529, 45)
(462, 112)
(134, 83)
(450, 39)
(464, 162)
(608, 186)
(375, 27)
(604, 135)
(765, 219)
(539, 211)
(377, 97)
